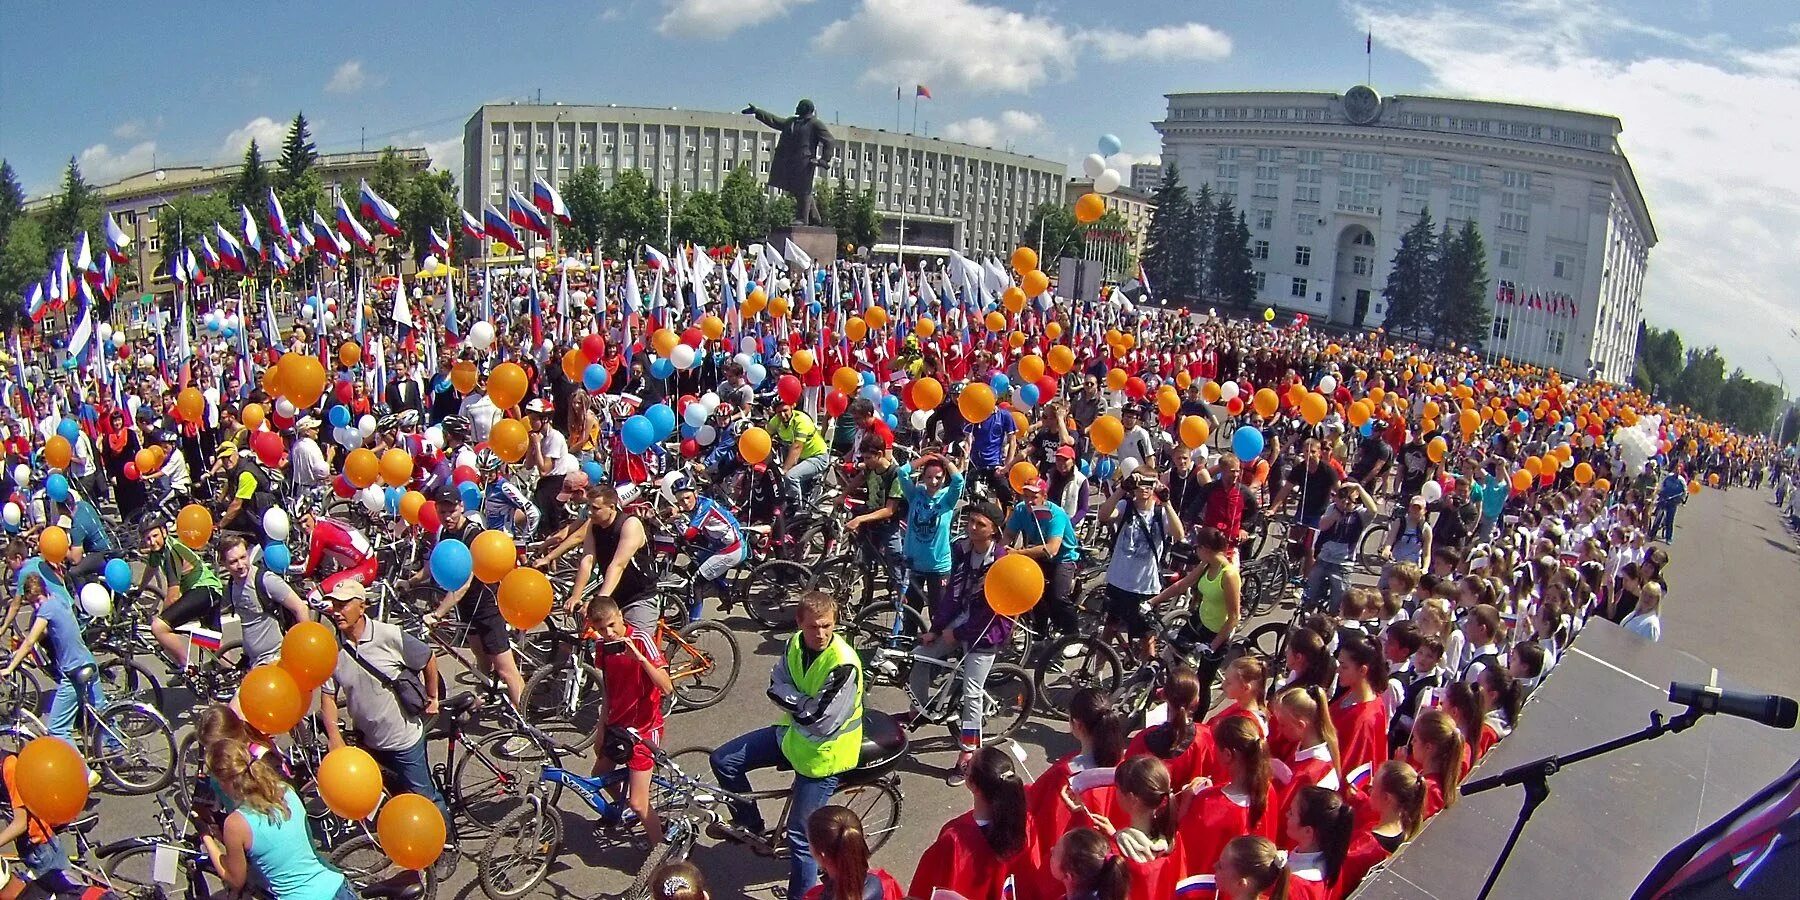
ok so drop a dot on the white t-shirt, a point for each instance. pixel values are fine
(1645, 625)
(555, 448)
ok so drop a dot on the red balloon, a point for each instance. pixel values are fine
(836, 402)
(1235, 405)
(131, 472)
(690, 448)
(692, 337)
(268, 447)
(464, 475)
(342, 487)
(1046, 388)
(1135, 388)
(429, 519)
(343, 391)
(789, 388)
(593, 347)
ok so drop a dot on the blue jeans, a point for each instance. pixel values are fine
(413, 766)
(795, 480)
(761, 749)
(65, 703)
(1664, 522)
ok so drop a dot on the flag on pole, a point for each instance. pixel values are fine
(471, 226)
(84, 255)
(118, 245)
(495, 226)
(520, 212)
(383, 212)
(795, 256)
(252, 237)
(437, 243)
(402, 315)
(278, 223)
(922, 91)
(547, 200)
(634, 303)
(231, 253)
(349, 227)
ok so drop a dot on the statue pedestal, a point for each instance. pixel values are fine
(817, 241)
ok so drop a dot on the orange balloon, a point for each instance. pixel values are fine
(1107, 433)
(1313, 407)
(803, 361)
(194, 525)
(525, 598)
(349, 354)
(778, 307)
(1602, 485)
(976, 403)
(148, 462)
(924, 328)
(309, 652)
(1167, 401)
(1521, 481)
(875, 316)
(1024, 259)
(1211, 392)
(1584, 473)
(1013, 584)
(58, 452)
(1436, 449)
(302, 379)
(753, 445)
(463, 376)
(253, 416)
(574, 363)
(1358, 413)
(927, 393)
(1022, 473)
(856, 329)
(1031, 368)
(1034, 283)
(271, 700)
(754, 303)
(1016, 339)
(495, 555)
(1090, 208)
(1020, 423)
(362, 467)
(53, 544)
(1061, 359)
(1534, 465)
(664, 340)
(397, 467)
(1469, 420)
(52, 780)
(1013, 298)
(1053, 330)
(410, 504)
(1266, 403)
(1193, 431)
(191, 404)
(712, 326)
(350, 782)
(412, 831)
(995, 321)
(846, 380)
(509, 439)
(507, 385)
(1116, 379)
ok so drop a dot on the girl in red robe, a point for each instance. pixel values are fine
(1249, 867)
(1359, 713)
(1101, 732)
(1086, 868)
(1244, 684)
(981, 852)
(1436, 751)
(1398, 795)
(842, 852)
(1502, 696)
(1322, 826)
(1244, 804)
(1184, 746)
(1144, 842)
(1301, 718)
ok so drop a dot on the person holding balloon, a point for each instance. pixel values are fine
(53, 623)
(260, 597)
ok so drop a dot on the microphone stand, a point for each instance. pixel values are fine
(1535, 777)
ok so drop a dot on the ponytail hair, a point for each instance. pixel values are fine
(1250, 761)
(1257, 859)
(993, 775)
(1402, 782)
(1467, 707)
(1507, 695)
(1094, 709)
(1089, 860)
(1146, 779)
(1254, 673)
(1173, 737)
(1309, 705)
(836, 833)
(1365, 653)
(246, 780)
(1445, 746)
(1333, 824)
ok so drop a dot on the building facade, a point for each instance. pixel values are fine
(1119, 251)
(136, 200)
(1146, 177)
(953, 196)
(1329, 182)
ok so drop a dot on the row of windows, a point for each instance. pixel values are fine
(1250, 113)
(1503, 128)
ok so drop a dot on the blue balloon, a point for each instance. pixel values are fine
(57, 486)
(1366, 429)
(393, 496)
(638, 434)
(69, 430)
(594, 377)
(815, 307)
(118, 575)
(1110, 144)
(1247, 442)
(1029, 394)
(869, 392)
(1105, 468)
(277, 557)
(214, 325)
(688, 431)
(1000, 383)
(661, 368)
(593, 470)
(889, 404)
(339, 416)
(868, 377)
(451, 564)
(1083, 466)
(893, 421)
(471, 497)
(661, 416)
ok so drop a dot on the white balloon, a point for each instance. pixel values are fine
(12, 515)
(118, 339)
(95, 601)
(1107, 182)
(275, 524)
(756, 374)
(434, 437)
(919, 418)
(744, 360)
(1093, 165)
(1327, 384)
(682, 356)
(366, 425)
(481, 336)
(286, 408)
(749, 345)
(146, 361)
(347, 437)
(374, 499)
(1127, 467)
(1228, 390)
(695, 414)
(330, 319)
(22, 476)
(1432, 492)
(665, 483)
(710, 400)
(705, 435)
(105, 331)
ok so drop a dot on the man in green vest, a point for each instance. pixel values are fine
(818, 683)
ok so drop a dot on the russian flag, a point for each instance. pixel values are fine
(322, 240)
(84, 255)
(525, 215)
(495, 226)
(281, 261)
(177, 267)
(231, 253)
(352, 229)
(208, 253)
(1197, 887)
(655, 258)
(195, 274)
(438, 244)
(251, 235)
(548, 201)
(83, 329)
(378, 209)
(64, 285)
(37, 301)
(277, 216)
(118, 245)
(471, 226)
(1359, 776)
(205, 639)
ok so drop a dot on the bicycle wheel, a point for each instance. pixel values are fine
(498, 772)
(132, 869)
(128, 679)
(689, 763)
(518, 854)
(1007, 703)
(21, 692)
(679, 833)
(1368, 549)
(1070, 664)
(885, 626)
(703, 662)
(815, 540)
(132, 746)
(363, 862)
(1267, 641)
(571, 694)
(877, 804)
(769, 592)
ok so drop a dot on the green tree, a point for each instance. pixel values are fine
(1659, 360)
(1169, 256)
(1201, 222)
(251, 187)
(297, 180)
(430, 203)
(1413, 281)
(23, 260)
(187, 217)
(1232, 272)
(75, 208)
(745, 203)
(863, 225)
(701, 220)
(778, 212)
(585, 195)
(1746, 404)
(298, 153)
(1702, 375)
(1053, 232)
(1461, 313)
(633, 213)
(12, 198)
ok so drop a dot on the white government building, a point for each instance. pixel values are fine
(1329, 182)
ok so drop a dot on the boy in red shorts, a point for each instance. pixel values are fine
(636, 679)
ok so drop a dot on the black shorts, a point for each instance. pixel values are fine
(488, 631)
(1125, 609)
(200, 604)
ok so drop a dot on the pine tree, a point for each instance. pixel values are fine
(251, 189)
(1233, 273)
(298, 154)
(1413, 282)
(1462, 315)
(1200, 229)
(1169, 259)
(297, 175)
(12, 197)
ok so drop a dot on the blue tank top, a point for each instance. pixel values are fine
(283, 853)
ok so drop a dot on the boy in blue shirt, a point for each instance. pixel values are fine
(933, 485)
(1048, 537)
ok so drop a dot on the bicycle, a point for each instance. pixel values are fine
(1007, 701)
(128, 742)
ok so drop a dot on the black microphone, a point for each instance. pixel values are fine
(1772, 710)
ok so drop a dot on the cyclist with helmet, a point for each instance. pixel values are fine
(716, 536)
(807, 456)
(503, 505)
(458, 431)
(174, 478)
(337, 552)
(477, 603)
(192, 591)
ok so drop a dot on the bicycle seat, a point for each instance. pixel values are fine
(883, 742)
(399, 886)
(458, 705)
(83, 676)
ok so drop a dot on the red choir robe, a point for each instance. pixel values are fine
(1153, 878)
(1212, 819)
(961, 860)
(1365, 854)
(1362, 732)
(1434, 795)
(1191, 763)
(1046, 812)
(1215, 766)
(1308, 766)
(1306, 878)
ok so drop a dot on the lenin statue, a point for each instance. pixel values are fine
(804, 147)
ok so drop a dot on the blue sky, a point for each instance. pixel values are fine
(1706, 90)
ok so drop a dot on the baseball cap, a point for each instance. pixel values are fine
(572, 482)
(539, 405)
(1034, 486)
(1065, 452)
(347, 590)
(307, 422)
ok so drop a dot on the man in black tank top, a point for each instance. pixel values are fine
(620, 542)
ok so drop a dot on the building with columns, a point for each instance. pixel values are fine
(1329, 182)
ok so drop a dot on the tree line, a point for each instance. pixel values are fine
(1198, 248)
(1438, 285)
(1695, 377)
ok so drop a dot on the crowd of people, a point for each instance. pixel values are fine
(1146, 447)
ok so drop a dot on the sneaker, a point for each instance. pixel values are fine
(909, 720)
(960, 774)
(93, 779)
(447, 862)
(738, 834)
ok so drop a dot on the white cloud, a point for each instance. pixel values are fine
(1706, 131)
(267, 133)
(137, 128)
(348, 78)
(1011, 125)
(716, 19)
(1019, 121)
(1124, 161)
(99, 164)
(446, 154)
(1190, 40)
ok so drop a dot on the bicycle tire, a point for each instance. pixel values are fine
(128, 679)
(715, 660)
(21, 692)
(1368, 547)
(877, 805)
(887, 627)
(1267, 642)
(151, 766)
(695, 763)
(1071, 663)
(492, 778)
(363, 862)
(769, 591)
(679, 833)
(534, 834)
(131, 870)
(548, 700)
(1008, 704)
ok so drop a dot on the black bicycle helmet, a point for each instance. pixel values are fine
(458, 427)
